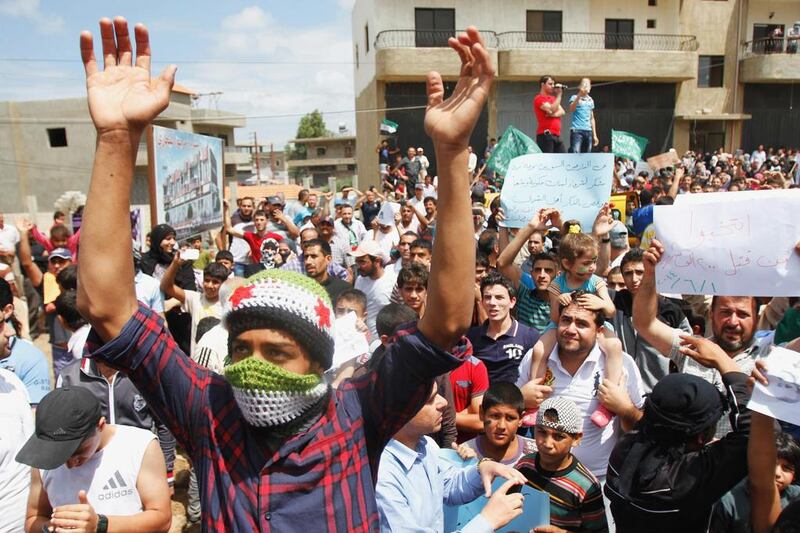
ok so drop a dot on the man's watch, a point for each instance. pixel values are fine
(102, 523)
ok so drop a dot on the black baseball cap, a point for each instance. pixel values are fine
(64, 418)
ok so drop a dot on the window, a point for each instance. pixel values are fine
(651, 24)
(651, 2)
(57, 137)
(321, 151)
(619, 34)
(710, 70)
(366, 39)
(348, 151)
(543, 26)
(434, 26)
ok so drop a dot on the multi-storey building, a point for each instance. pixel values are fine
(47, 147)
(684, 73)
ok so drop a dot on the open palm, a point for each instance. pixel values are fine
(450, 122)
(123, 96)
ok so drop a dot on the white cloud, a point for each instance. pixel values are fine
(346, 4)
(30, 10)
(312, 69)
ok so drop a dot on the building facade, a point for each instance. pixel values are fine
(47, 147)
(333, 156)
(700, 74)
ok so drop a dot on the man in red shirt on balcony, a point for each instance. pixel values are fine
(547, 106)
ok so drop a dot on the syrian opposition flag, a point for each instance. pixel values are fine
(388, 127)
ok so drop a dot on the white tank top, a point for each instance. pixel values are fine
(108, 477)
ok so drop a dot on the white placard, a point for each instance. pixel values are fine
(781, 398)
(730, 248)
(576, 184)
(348, 342)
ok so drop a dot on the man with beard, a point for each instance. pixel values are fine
(276, 449)
(575, 370)
(733, 326)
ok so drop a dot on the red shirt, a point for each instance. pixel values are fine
(257, 243)
(553, 124)
(469, 380)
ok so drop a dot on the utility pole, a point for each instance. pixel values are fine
(255, 156)
(272, 159)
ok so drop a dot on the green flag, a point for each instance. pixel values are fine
(388, 127)
(512, 144)
(628, 145)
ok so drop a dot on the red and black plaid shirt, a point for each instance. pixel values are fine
(321, 480)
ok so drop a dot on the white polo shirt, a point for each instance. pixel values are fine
(597, 443)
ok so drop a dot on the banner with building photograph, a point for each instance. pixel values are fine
(186, 180)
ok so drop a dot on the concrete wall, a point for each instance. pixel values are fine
(785, 12)
(333, 149)
(30, 166)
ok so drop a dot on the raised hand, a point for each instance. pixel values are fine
(604, 221)
(123, 96)
(652, 256)
(24, 225)
(450, 122)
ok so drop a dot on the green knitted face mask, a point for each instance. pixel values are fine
(268, 395)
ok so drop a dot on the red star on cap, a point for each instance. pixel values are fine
(240, 294)
(323, 314)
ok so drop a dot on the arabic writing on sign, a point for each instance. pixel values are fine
(164, 140)
(729, 248)
(576, 184)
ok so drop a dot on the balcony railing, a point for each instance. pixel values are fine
(424, 38)
(596, 41)
(771, 45)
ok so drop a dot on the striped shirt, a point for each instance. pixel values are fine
(531, 310)
(576, 501)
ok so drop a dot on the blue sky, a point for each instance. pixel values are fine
(311, 39)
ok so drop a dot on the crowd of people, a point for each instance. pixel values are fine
(541, 355)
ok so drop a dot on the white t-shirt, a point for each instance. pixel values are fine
(77, 341)
(419, 205)
(387, 241)
(109, 477)
(9, 237)
(196, 304)
(597, 443)
(16, 427)
(212, 348)
(379, 292)
(413, 226)
(239, 247)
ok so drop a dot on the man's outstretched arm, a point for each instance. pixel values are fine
(123, 100)
(449, 123)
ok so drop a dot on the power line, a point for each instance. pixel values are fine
(189, 61)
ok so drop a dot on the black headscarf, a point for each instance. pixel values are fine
(679, 407)
(156, 253)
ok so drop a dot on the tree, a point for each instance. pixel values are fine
(310, 126)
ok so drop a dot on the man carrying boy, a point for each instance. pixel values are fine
(576, 501)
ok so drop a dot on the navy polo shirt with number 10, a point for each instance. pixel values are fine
(503, 354)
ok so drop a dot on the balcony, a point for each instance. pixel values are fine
(520, 55)
(408, 55)
(607, 56)
(770, 60)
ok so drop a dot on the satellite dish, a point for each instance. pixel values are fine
(342, 127)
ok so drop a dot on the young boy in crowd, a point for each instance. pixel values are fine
(732, 512)
(501, 414)
(413, 284)
(576, 501)
(225, 258)
(198, 304)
